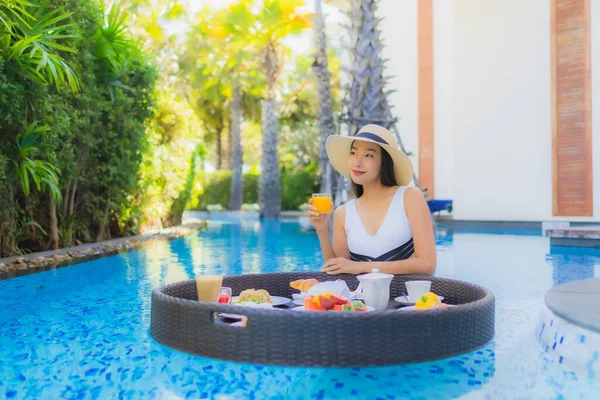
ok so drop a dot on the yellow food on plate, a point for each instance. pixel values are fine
(428, 301)
(303, 284)
(258, 296)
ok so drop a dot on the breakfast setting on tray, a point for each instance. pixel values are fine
(372, 294)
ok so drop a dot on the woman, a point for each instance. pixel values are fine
(388, 224)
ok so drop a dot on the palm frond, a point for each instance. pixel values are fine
(14, 10)
(45, 175)
(37, 40)
(114, 44)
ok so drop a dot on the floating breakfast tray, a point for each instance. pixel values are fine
(284, 337)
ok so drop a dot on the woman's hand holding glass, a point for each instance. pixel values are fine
(320, 206)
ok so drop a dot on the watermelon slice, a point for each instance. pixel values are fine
(339, 299)
(326, 303)
(310, 305)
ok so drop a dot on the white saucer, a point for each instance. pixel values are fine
(413, 308)
(405, 301)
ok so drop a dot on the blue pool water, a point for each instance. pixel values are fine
(81, 332)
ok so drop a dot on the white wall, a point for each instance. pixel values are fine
(443, 76)
(399, 32)
(493, 127)
(502, 110)
(595, 16)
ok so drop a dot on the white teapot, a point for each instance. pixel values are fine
(375, 288)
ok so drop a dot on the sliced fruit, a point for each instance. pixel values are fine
(310, 305)
(325, 302)
(423, 303)
(433, 297)
(347, 307)
(339, 299)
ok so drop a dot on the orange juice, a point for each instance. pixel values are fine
(209, 287)
(322, 201)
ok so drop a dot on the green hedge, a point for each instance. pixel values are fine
(297, 187)
(217, 189)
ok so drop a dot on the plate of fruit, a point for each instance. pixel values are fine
(332, 302)
(429, 301)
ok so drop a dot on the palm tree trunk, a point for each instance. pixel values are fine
(229, 152)
(269, 186)
(7, 226)
(102, 228)
(368, 101)
(235, 202)
(325, 109)
(53, 225)
(219, 148)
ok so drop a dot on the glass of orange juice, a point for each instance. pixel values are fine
(322, 201)
(209, 287)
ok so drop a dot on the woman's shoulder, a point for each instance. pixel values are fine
(413, 192)
(413, 198)
(341, 210)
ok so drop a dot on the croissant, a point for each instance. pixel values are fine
(303, 284)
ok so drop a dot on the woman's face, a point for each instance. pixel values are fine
(364, 162)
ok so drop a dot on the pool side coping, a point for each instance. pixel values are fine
(14, 266)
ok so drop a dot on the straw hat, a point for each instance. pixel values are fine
(338, 150)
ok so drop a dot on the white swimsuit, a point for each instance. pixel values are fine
(393, 241)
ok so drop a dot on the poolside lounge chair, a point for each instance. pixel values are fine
(439, 205)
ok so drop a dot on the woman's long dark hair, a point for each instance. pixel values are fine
(387, 176)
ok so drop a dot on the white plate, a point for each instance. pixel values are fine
(299, 296)
(277, 300)
(301, 308)
(406, 301)
(413, 308)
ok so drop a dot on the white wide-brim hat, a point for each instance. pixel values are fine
(338, 150)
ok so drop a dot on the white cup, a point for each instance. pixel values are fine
(416, 289)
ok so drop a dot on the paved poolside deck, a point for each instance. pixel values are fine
(581, 236)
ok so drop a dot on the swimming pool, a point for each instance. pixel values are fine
(82, 331)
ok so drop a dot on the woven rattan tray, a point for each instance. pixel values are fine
(286, 337)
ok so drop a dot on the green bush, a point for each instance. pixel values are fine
(217, 189)
(250, 188)
(296, 186)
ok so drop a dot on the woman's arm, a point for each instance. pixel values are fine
(424, 260)
(339, 248)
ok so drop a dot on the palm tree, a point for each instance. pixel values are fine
(276, 20)
(366, 99)
(325, 108)
(367, 102)
(236, 200)
(223, 72)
